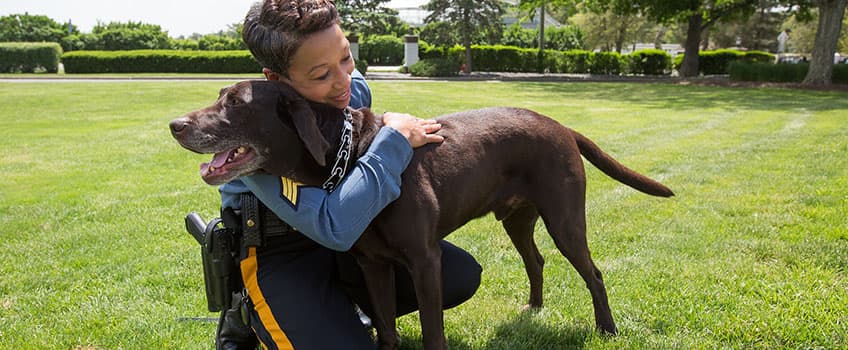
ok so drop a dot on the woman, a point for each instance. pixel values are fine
(302, 287)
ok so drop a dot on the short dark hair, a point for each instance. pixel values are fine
(275, 29)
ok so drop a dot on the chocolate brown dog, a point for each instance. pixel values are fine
(513, 162)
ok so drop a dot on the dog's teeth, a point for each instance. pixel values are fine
(211, 169)
(241, 150)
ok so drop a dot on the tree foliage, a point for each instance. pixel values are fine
(609, 31)
(370, 17)
(757, 32)
(31, 28)
(564, 38)
(469, 18)
(130, 36)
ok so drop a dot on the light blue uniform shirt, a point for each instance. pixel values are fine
(334, 220)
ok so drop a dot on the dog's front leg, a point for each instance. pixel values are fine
(380, 281)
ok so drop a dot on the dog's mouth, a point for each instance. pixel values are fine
(226, 165)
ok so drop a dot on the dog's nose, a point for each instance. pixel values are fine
(178, 125)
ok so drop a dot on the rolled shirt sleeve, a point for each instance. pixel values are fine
(337, 219)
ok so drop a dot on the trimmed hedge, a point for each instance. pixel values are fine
(386, 50)
(649, 62)
(607, 63)
(29, 57)
(160, 61)
(718, 61)
(780, 73)
(501, 58)
(575, 61)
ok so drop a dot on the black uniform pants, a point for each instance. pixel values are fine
(303, 294)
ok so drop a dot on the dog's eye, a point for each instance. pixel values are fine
(234, 101)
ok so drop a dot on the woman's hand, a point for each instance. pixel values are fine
(417, 131)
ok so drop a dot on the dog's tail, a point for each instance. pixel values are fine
(617, 171)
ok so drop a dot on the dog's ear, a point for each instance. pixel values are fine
(305, 123)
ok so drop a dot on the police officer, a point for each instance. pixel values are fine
(301, 286)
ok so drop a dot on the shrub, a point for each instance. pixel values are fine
(553, 60)
(564, 38)
(214, 42)
(575, 61)
(758, 57)
(185, 44)
(28, 57)
(382, 50)
(160, 61)
(434, 67)
(499, 58)
(606, 63)
(558, 39)
(362, 66)
(840, 74)
(428, 51)
(718, 61)
(649, 62)
(780, 73)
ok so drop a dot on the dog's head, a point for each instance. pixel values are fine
(250, 121)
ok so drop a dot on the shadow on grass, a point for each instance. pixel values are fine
(524, 331)
(663, 95)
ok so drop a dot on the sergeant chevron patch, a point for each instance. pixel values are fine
(290, 190)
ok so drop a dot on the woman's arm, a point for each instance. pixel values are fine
(337, 219)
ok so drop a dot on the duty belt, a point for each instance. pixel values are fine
(260, 223)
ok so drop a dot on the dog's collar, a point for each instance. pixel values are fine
(340, 166)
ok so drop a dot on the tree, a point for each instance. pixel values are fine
(564, 38)
(32, 28)
(531, 6)
(609, 31)
(468, 17)
(831, 14)
(130, 36)
(370, 17)
(758, 32)
(699, 15)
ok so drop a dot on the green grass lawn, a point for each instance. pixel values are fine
(751, 253)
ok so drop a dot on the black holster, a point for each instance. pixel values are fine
(219, 253)
(222, 241)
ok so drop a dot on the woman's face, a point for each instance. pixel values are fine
(320, 69)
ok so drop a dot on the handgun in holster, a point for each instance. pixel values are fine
(219, 253)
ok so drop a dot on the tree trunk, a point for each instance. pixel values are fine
(541, 57)
(467, 43)
(621, 35)
(831, 13)
(689, 66)
(658, 40)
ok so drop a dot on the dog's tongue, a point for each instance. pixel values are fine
(217, 161)
(220, 159)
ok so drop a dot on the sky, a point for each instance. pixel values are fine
(177, 17)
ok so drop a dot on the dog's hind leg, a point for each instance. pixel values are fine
(520, 225)
(565, 217)
(380, 281)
